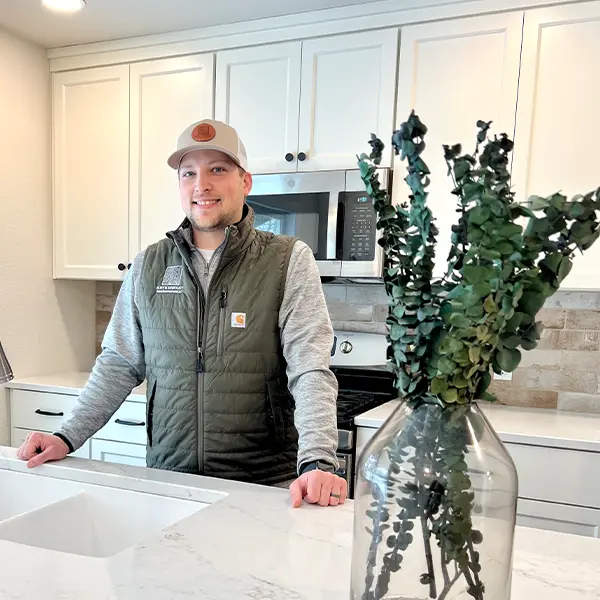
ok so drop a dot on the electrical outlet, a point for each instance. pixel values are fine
(503, 376)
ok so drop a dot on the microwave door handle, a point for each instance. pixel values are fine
(332, 224)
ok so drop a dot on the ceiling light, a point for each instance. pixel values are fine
(67, 6)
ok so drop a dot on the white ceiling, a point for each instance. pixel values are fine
(114, 19)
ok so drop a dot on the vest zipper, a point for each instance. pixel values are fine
(222, 305)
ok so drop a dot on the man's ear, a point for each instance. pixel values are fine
(247, 177)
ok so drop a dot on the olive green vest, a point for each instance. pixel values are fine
(218, 401)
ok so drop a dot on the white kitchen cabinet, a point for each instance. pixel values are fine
(90, 172)
(453, 73)
(118, 452)
(258, 93)
(114, 129)
(167, 96)
(347, 93)
(558, 122)
(128, 424)
(309, 105)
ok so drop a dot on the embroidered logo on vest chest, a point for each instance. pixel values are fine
(171, 281)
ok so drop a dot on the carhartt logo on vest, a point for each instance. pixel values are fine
(171, 281)
(238, 320)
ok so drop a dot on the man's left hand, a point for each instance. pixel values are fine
(319, 487)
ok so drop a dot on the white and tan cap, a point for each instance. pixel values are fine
(209, 134)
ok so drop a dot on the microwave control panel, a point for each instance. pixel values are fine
(360, 227)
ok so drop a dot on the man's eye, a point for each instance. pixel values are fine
(219, 169)
(188, 174)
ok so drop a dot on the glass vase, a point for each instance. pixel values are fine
(435, 507)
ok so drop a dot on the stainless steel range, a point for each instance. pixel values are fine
(358, 362)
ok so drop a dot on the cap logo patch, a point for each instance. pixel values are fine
(203, 132)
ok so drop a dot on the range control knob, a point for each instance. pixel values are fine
(345, 347)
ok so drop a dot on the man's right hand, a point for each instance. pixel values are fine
(39, 448)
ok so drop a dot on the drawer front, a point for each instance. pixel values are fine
(18, 435)
(119, 452)
(557, 475)
(42, 411)
(128, 424)
(559, 517)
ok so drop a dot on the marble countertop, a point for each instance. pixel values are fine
(249, 543)
(61, 383)
(538, 426)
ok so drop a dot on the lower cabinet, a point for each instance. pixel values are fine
(122, 440)
(559, 488)
(118, 452)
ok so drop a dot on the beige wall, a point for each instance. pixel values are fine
(45, 326)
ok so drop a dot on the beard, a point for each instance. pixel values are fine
(217, 222)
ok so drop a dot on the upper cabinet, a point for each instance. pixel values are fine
(114, 128)
(453, 73)
(258, 92)
(311, 105)
(558, 121)
(91, 172)
(167, 96)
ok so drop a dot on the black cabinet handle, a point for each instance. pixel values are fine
(130, 423)
(49, 413)
(289, 157)
(301, 156)
(129, 266)
(121, 267)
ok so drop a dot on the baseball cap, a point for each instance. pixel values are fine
(209, 134)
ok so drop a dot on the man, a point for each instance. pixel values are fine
(228, 325)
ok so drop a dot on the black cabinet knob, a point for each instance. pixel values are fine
(301, 156)
(289, 157)
(121, 267)
(129, 266)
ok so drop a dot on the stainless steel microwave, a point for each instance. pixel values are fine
(330, 211)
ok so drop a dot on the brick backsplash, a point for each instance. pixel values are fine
(563, 372)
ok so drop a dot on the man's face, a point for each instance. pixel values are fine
(212, 189)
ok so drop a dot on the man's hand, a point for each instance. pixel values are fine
(39, 448)
(319, 487)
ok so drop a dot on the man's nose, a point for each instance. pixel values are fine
(202, 183)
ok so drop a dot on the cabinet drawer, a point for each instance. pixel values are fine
(559, 517)
(557, 475)
(128, 424)
(119, 452)
(18, 435)
(42, 411)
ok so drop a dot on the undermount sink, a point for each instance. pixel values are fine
(82, 518)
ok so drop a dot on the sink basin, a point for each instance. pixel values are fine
(82, 518)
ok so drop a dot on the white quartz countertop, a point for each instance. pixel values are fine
(558, 429)
(61, 383)
(249, 543)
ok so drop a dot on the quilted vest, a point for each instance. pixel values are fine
(218, 402)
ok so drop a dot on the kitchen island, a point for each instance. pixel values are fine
(246, 542)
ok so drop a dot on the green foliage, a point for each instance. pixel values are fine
(506, 259)
(446, 335)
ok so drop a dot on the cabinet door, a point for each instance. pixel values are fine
(257, 92)
(91, 173)
(167, 96)
(119, 452)
(453, 73)
(347, 93)
(558, 121)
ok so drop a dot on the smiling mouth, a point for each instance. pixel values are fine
(205, 203)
